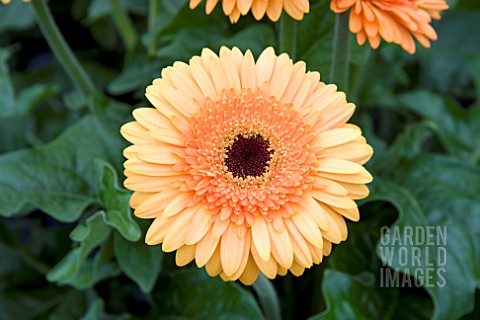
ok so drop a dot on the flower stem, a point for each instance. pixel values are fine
(341, 52)
(268, 298)
(359, 75)
(60, 48)
(152, 22)
(288, 35)
(124, 25)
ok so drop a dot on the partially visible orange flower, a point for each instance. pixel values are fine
(245, 166)
(273, 8)
(397, 21)
(8, 1)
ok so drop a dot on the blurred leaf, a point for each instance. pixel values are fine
(255, 38)
(192, 293)
(457, 35)
(180, 37)
(99, 8)
(116, 201)
(189, 41)
(409, 142)
(12, 133)
(72, 307)
(136, 74)
(445, 64)
(15, 113)
(16, 16)
(173, 5)
(316, 42)
(10, 260)
(473, 65)
(30, 97)
(7, 98)
(95, 311)
(466, 4)
(457, 128)
(140, 262)
(58, 178)
(74, 100)
(28, 303)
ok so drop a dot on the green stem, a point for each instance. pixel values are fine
(152, 23)
(341, 52)
(26, 255)
(60, 48)
(288, 35)
(268, 298)
(124, 25)
(360, 74)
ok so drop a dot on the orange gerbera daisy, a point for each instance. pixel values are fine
(397, 21)
(246, 166)
(273, 8)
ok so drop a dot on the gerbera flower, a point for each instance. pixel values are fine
(273, 8)
(245, 166)
(397, 21)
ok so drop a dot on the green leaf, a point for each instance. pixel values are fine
(315, 44)
(445, 66)
(357, 284)
(72, 307)
(456, 127)
(137, 74)
(192, 293)
(74, 100)
(29, 302)
(93, 234)
(116, 201)
(140, 262)
(95, 311)
(7, 98)
(93, 271)
(255, 38)
(124, 224)
(18, 15)
(29, 98)
(439, 192)
(358, 297)
(349, 297)
(10, 260)
(57, 178)
(67, 268)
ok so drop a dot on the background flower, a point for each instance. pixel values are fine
(397, 21)
(273, 8)
(245, 166)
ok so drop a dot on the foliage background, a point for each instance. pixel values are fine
(69, 246)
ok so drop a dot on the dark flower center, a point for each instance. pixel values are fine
(248, 156)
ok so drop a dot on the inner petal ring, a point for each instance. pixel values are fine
(248, 155)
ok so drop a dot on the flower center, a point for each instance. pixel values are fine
(248, 156)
